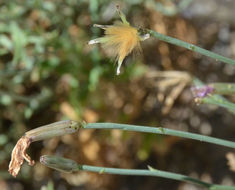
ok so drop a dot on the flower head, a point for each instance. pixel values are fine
(121, 38)
(202, 91)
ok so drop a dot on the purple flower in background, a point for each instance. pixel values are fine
(201, 91)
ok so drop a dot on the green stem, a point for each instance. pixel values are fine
(223, 88)
(159, 130)
(219, 101)
(191, 47)
(67, 165)
(152, 172)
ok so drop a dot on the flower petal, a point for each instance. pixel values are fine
(98, 40)
(119, 66)
(101, 26)
(144, 37)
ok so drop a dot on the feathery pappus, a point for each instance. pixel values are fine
(120, 38)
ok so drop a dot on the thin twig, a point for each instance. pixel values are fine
(67, 165)
(162, 131)
(153, 172)
(191, 47)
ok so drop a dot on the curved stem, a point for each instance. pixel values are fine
(152, 172)
(191, 47)
(67, 165)
(219, 101)
(159, 130)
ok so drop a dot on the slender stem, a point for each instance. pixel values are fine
(153, 172)
(191, 47)
(223, 88)
(159, 130)
(219, 101)
(67, 165)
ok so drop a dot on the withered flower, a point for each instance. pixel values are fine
(201, 91)
(41, 133)
(19, 154)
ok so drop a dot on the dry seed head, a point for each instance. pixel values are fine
(121, 39)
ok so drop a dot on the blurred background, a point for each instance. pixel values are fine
(48, 73)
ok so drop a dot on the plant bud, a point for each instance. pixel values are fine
(52, 130)
(59, 163)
